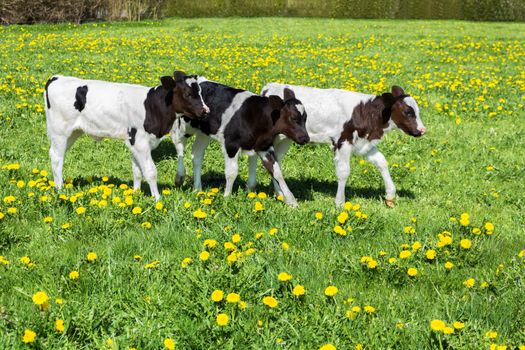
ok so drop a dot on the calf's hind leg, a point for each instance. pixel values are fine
(270, 163)
(342, 170)
(378, 159)
(141, 153)
(57, 152)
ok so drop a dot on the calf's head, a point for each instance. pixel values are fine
(289, 117)
(184, 95)
(405, 113)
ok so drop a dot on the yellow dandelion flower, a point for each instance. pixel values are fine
(284, 277)
(458, 325)
(328, 347)
(271, 302)
(41, 299)
(137, 210)
(437, 325)
(319, 215)
(159, 206)
(236, 238)
(217, 295)
(199, 214)
(91, 256)
(465, 243)
(146, 224)
(404, 254)
(262, 195)
(464, 219)
(185, 262)
(29, 336)
(273, 231)
(25, 260)
(210, 243)
(491, 334)
(59, 326)
(369, 309)
(449, 265)
(331, 291)
(285, 246)
(169, 344)
(430, 254)
(298, 290)
(341, 218)
(222, 319)
(412, 272)
(469, 283)
(152, 264)
(73, 275)
(204, 255)
(233, 298)
(258, 206)
(448, 330)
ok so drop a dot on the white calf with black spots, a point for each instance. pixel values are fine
(138, 115)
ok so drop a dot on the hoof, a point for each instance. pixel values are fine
(293, 205)
(390, 203)
(179, 181)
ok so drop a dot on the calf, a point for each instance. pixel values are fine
(352, 123)
(241, 121)
(139, 115)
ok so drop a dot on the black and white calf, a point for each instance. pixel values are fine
(139, 115)
(241, 121)
(352, 123)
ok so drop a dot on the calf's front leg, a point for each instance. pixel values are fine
(270, 163)
(197, 155)
(378, 159)
(231, 169)
(342, 170)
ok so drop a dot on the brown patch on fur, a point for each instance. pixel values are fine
(368, 119)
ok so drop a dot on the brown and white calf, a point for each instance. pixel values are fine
(241, 121)
(352, 123)
(138, 115)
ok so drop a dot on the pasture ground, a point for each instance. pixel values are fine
(149, 282)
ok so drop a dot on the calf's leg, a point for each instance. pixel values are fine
(252, 173)
(280, 150)
(378, 159)
(57, 152)
(270, 163)
(342, 170)
(179, 140)
(137, 174)
(197, 155)
(231, 169)
(141, 152)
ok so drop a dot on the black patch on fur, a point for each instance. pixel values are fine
(159, 117)
(52, 79)
(169, 98)
(218, 98)
(132, 132)
(80, 98)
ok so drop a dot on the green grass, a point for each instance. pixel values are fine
(469, 79)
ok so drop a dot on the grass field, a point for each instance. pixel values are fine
(150, 284)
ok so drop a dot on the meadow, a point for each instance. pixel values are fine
(98, 266)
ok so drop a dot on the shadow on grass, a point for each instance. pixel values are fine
(303, 189)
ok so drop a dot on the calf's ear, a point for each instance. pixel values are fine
(276, 102)
(179, 76)
(397, 91)
(288, 94)
(167, 82)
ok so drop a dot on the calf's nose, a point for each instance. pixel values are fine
(422, 130)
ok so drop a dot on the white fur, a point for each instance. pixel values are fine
(327, 112)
